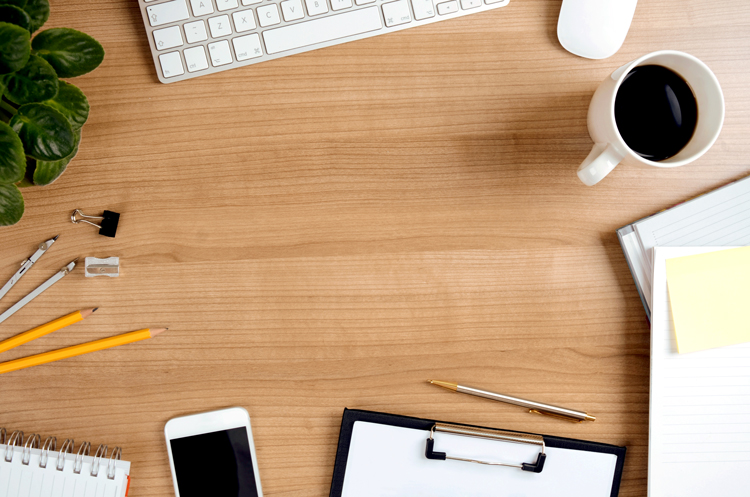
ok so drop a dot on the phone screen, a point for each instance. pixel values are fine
(218, 464)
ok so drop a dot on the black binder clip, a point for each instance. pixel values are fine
(108, 223)
(505, 436)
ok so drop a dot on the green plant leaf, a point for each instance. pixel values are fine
(12, 156)
(70, 52)
(15, 15)
(47, 172)
(14, 47)
(17, 3)
(35, 82)
(11, 205)
(45, 133)
(72, 103)
(38, 11)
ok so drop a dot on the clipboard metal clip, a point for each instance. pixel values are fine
(505, 436)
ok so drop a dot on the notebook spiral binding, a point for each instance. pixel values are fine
(16, 439)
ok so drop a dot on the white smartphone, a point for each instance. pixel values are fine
(212, 453)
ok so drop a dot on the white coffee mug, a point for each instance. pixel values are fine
(610, 149)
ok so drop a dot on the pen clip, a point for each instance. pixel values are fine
(554, 415)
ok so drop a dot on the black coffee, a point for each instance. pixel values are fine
(656, 112)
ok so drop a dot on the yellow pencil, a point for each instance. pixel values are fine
(84, 348)
(45, 329)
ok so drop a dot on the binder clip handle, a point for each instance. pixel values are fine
(538, 466)
(429, 451)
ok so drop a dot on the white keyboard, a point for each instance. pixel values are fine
(191, 38)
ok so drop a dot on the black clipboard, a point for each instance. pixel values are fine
(352, 415)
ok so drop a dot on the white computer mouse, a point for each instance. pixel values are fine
(594, 29)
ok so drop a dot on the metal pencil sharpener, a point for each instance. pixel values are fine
(102, 267)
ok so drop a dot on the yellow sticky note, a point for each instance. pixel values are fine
(710, 299)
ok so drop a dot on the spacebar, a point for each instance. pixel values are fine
(322, 30)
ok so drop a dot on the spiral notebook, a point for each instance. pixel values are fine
(30, 468)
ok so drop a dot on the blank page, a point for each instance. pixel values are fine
(389, 461)
(699, 416)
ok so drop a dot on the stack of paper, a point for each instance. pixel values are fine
(696, 292)
(718, 219)
(699, 416)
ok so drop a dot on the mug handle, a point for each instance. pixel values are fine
(599, 163)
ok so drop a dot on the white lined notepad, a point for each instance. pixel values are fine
(716, 219)
(27, 472)
(699, 416)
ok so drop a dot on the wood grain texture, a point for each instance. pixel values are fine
(332, 229)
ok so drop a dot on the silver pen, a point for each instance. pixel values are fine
(533, 407)
(38, 290)
(26, 265)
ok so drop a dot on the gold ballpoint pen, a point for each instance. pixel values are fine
(533, 407)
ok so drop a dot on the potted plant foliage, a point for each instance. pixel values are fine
(40, 115)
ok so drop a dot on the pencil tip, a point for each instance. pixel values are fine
(55, 239)
(157, 331)
(87, 312)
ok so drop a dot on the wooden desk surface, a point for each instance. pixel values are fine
(332, 229)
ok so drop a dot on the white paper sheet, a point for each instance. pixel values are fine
(389, 461)
(720, 218)
(699, 417)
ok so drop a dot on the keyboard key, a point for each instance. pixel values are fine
(223, 5)
(364, 2)
(171, 64)
(341, 4)
(220, 53)
(195, 59)
(470, 4)
(396, 13)
(490, 2)
(292, 10)
(321, 30)
(447, 8)
(195, 31)
(247, 47)
(167, 38)
(244, 20)
(268, 15)
(167, 12)
(423, 9)
(202, 7)
(251, 2)
(219, 26)
(316, 7)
